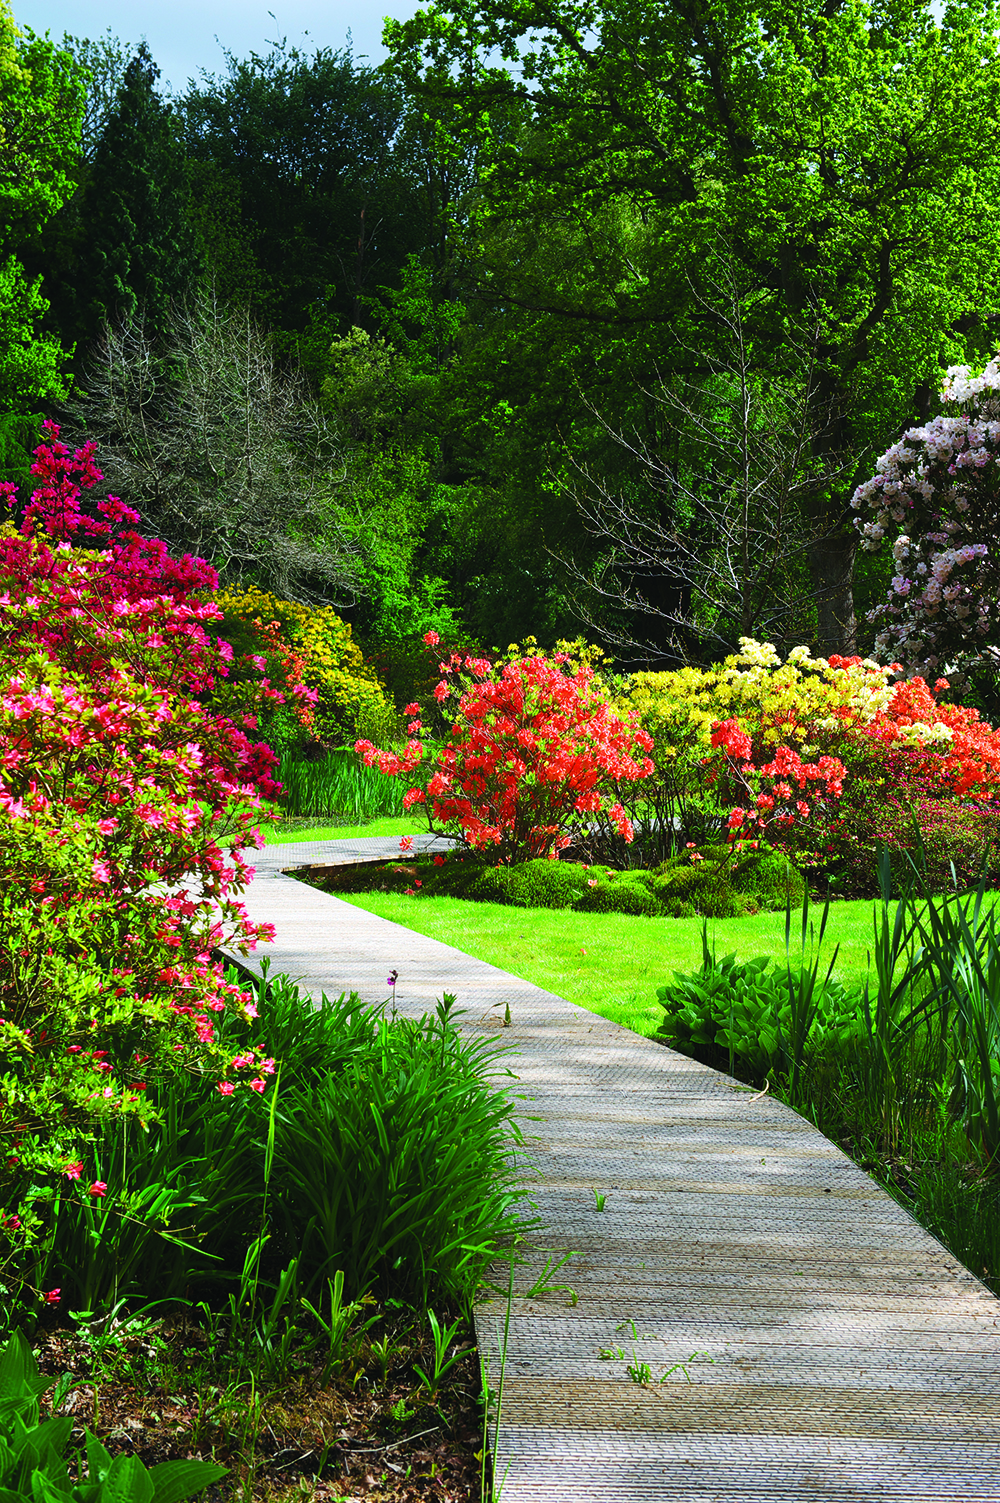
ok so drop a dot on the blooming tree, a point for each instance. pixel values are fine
(936, 494)
(534, 750)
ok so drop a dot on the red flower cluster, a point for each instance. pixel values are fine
(534, 750)
(772, 793)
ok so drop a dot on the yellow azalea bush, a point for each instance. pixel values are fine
(797, 703)
(804, 703)
(350, 701)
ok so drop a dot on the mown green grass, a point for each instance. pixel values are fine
(397, 825)
(612, 963)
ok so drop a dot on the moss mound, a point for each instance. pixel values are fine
(717, 883)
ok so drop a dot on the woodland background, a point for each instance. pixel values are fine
(562, 320)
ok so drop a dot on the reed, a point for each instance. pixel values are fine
(340, 784)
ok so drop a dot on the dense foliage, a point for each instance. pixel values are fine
(517, 305)
(118, 788)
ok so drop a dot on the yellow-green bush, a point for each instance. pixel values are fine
(799, 703)
(351, 701)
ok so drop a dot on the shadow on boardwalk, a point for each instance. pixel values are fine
(843, 1354)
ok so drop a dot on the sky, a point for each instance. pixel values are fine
(182, 34)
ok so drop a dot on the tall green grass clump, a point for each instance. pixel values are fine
(339, 784)
(382, 1159)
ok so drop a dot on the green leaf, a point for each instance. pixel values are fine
(173, 1480)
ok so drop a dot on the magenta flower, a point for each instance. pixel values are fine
(53, 1297)
(258, 1084)
(98, 1189)
(225, 1088)
(73, 1170)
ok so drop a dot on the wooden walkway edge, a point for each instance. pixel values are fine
(814, 1342)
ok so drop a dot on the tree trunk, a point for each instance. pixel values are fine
(831, 567)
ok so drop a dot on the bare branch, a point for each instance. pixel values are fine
(222, 452)
(708, 535)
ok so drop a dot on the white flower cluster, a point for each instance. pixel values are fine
(935, 490)
(761, 654)
(920, 735)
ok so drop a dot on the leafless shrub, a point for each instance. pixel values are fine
(222, 451)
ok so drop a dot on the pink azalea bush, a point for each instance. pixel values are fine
(534, 751)
(118, 783)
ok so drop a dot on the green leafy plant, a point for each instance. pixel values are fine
(340, 1323)
(543, 1284)
(769, 1019)
(443, 1336)
(32, 1462)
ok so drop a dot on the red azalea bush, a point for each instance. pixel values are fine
(534, 752)
(769, 797)
(920, 779)
(118, 782)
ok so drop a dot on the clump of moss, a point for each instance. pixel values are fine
(715, 881)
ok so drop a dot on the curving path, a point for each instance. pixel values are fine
(842, 1353)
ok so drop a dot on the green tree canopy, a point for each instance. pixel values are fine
(846, 152)
(41, 107)
(137, 244)
(295, 157)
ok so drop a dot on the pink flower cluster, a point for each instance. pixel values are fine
(936, 492)
(118, 782)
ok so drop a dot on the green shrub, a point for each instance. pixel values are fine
(545, 884)
(741, 1012)
(723, 884)
(412, 1192)
(619, 892)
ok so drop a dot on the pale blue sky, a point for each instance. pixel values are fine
(181, 35)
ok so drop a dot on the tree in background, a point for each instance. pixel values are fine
(711, 546)
(222, 449)
(41, 107)
(837, 147)
(295, 172)
(137, 249)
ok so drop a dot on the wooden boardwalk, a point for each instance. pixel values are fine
(842, 1354)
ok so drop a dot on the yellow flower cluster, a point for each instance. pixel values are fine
(795, 703)
(351, 701)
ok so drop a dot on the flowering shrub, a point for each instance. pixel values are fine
(776, 793)
(116, 786)
(265, 690)
(349, 699)
(534, 750)
(801, 701)
(901, 750)
(937, 491)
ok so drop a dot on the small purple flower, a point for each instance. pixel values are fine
(392, 978)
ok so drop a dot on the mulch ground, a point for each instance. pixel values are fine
(154, 1393)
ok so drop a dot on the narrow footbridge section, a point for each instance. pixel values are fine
(795, 1334)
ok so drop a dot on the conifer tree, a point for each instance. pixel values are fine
(139, 253)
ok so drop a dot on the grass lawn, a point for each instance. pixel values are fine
(292, 830)
(612, 963)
